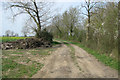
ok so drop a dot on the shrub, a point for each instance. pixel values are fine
(44, 35)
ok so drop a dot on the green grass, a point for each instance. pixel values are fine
(42, 51)
(17, 53)
(109, 61)
(55, 43)
(19, 70)
(0, 39)
(7, 39)
(12, 67)
(59, 39)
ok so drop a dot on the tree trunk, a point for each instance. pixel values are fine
(38, 18)
(25, 35)
(71, 31)
(59, 29)
(119, 30)
(88, 27)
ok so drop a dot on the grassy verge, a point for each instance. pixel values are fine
(108, 61)
(12, 69)
(55, 43)
(22, 63)
(101, 57)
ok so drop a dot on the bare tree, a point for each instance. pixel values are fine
(88, 7)
(119, 28)
(71, 19)
(37, 11)
(57, 22)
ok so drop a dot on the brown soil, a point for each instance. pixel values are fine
(60, 65)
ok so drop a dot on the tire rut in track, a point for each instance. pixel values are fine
(59, 65)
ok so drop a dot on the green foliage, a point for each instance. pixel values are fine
(65, 24)
(104, 29)
(45, 35)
